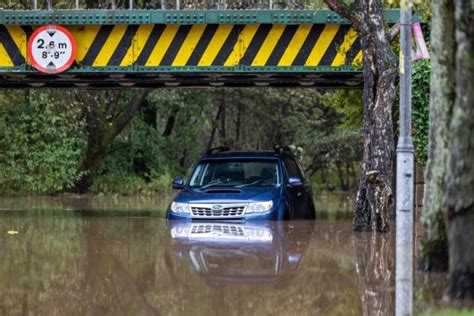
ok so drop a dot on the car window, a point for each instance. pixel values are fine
(294, 168)
(236, 173)
(300, 169)
(291, 168)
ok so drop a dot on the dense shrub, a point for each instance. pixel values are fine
(420, 105)
(40, 142)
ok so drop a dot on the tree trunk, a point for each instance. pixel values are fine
(340, 174)
(103, 125)
(374, 202)
(214, 128)
(374, 258)
(238, 124)
(170, 122)
(222, 128)
(459, 197)
(433, 247)
(98, 141)
(149, 114)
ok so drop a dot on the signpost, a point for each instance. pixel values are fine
(51, 49)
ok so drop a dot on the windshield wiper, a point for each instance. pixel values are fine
(212, 183)
(251, 183)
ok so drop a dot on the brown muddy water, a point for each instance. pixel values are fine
(69, 256)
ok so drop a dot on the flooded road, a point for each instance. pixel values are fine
(137, 263)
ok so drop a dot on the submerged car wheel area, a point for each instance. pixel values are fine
(244, 185)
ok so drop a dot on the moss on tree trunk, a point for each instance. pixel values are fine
(449, 204)
(459, 193)
(434, 248)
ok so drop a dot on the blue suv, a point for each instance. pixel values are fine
(244, 185)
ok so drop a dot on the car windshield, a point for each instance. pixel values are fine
(236, 173)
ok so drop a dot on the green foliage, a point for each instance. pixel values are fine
(40, 142)
(421, 6)
(194, 112)
(336, 157)
(120, 182)
(451, 311)
(142, 160)
(349, 104)
(420, 105)
(43, 137)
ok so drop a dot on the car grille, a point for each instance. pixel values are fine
(232, 230)
(226, 211)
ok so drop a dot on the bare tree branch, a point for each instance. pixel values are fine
(344, 10)
(130, 110)
(392, 34)
(113, 103)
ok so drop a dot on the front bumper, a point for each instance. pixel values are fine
(273, 214)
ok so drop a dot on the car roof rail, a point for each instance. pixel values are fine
(280, 150)
(216, 150)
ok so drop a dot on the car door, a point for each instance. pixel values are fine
(297, 193)
(307, 193)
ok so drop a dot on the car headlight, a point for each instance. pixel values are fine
(180, 208)
(259, 207)
(180, 232)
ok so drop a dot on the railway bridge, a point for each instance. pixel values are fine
(169, 48)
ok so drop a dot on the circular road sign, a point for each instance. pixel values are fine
(51, 49)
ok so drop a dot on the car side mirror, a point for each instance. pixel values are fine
(295, 181)
(178, 183)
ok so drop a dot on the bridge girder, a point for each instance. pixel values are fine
(189, 48)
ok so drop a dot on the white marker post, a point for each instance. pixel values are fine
(51, 49)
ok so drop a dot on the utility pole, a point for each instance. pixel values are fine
(405, 175)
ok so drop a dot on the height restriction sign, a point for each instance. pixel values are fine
(51, 49)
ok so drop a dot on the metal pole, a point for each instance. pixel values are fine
(177, 4)
(77, 4)
(130, 4)
(405, 178)
(35, 4)
(49, 5)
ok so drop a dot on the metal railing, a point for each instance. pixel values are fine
(162, 4)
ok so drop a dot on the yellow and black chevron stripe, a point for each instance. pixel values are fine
(12, 46)
(201, 45)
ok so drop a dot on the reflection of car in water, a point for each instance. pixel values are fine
(223, 252)
(244, 185)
